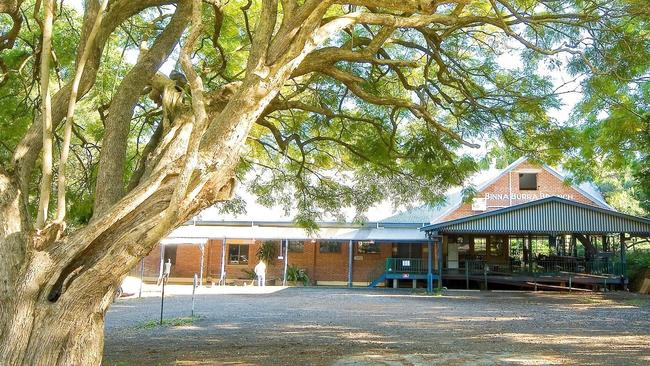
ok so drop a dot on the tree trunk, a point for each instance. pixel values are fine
(45, 333)
(55, 287)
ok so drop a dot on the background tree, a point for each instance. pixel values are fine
(327, 104)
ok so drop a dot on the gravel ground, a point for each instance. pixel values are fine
(343, 327)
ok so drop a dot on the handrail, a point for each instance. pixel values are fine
(603, 266)
(406, 265)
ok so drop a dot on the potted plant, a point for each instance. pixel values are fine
(297, 276)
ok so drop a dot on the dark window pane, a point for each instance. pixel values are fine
(528, 181)
(296, 246)
(238, 254)
(330, 247)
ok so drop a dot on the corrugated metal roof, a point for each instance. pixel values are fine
(549, 215)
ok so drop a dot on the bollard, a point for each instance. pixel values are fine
(569, 282)
(167, 269)
(162, 300)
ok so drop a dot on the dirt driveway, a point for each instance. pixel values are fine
(331, 326)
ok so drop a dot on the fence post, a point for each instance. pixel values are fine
(467, 274)
(535, 279)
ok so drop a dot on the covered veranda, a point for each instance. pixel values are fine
(548, 243)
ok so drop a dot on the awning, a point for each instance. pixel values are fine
(552, 215)
(296, 233)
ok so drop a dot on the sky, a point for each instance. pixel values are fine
(255, 211)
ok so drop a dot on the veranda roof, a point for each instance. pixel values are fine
(282, 231)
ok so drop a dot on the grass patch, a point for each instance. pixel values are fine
(637, 302)
(172, 322)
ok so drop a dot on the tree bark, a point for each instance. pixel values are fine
(110, 178)
(57, 286)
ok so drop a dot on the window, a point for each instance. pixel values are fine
(329, 247)
(238, 254)
(528, 181)
(364, 247)
(517, 246)
(496, 246)
(480, 245)
(296, 246)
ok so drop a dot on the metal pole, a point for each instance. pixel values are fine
(350, 263)
(569, 282)
(467, 274)
(286, 261)
(141, 276)
(202, 246)
(429, 267)
(162, 300)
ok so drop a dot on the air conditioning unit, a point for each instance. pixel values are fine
(479, 204)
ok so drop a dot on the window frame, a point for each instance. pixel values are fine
(292, 246)
(483, 241)
(528, 187)
(239, 262)
(329, 244)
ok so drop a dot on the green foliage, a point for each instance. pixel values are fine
(267, 252)
(250, 274)
(637, 261)
(297, 274)
(346, 148)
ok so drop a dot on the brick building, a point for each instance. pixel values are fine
(461, 243)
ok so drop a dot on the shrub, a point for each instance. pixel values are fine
(296, 274)
(637, 261)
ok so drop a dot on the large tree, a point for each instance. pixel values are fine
(327, 104)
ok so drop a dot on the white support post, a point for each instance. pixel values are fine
(222, 278)
(202, 247)
(350, 263)
(162, 260)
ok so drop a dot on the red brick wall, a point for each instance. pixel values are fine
(547, 183)
(319, 266)
(367, 266)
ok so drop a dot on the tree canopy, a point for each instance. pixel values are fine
(320, 105)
